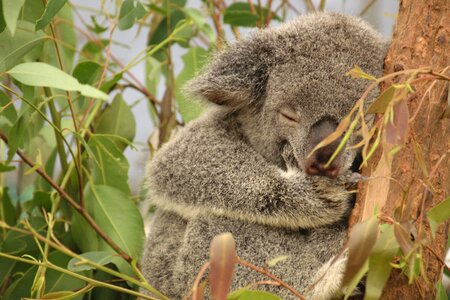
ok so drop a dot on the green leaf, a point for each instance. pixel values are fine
(183, 32)
(439, 214)
(5, 168)
(97, 28)
(193, 60)
(99, 257)
(9, 112)
(67, 39)
(87, 72)
(55, 281)
(14, 48)
(7, 210)
(163, 29)
(153, 71)
(109, 207)
(117, 119)
(42, 74)
(246, 294)
(52, 8)
(94, 50)
(109, 84)
(380, 259)
(2, 19)
(381, 103)
(200, 21)
(240, 14)
(110, 166)
(11, 10)
(17, 135)
(42, 199)
(441, 294)
(7, 266)
(130, 12)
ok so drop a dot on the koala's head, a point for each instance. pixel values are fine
(288, 87)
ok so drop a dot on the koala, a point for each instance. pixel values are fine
(243, 166)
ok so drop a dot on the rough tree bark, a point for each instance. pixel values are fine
(421, 39)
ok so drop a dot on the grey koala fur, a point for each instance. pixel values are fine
(239, 168)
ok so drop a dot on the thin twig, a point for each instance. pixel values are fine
(76, 275)
(367, 7)
(73, 116)
(197, 281)
(271, 276)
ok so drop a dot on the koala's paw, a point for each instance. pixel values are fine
(328, 281)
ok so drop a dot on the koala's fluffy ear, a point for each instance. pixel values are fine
(237, 76)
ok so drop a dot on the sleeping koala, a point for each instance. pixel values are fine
(243, 168)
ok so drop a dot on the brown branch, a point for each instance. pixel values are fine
(194, 290)
(77, 159)
(367, 7)
(81, 210)
(271, 276)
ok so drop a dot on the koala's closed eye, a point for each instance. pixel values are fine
(289, 116)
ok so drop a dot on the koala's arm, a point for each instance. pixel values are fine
(208, 169)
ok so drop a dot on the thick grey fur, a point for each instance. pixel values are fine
(238, 168)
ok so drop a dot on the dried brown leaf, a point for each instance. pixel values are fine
(361, 241)
(378, 186)
(403, 235)
(397, 130)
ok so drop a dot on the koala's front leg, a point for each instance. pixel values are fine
(227, 177)
(327, 283)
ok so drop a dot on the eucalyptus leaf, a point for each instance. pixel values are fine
(439, 214)
(361, 241)
(110, 166)
(117, 119)
(7, 210)
(11, 10)
(7, 110)
(2, 19)
(241, 14)
(380, 259)
(87, 72)
(17, 135)
(55, 281)
(130, 12)
(193, 60)
(98, 257)
(109, 207)
(51, 9)
(42, 74)
(14, 48)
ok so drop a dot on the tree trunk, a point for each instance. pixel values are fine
(421, 39)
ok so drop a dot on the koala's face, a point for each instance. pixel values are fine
(288, 85)
(304, 109)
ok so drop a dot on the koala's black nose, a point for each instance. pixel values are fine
(315, 165)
